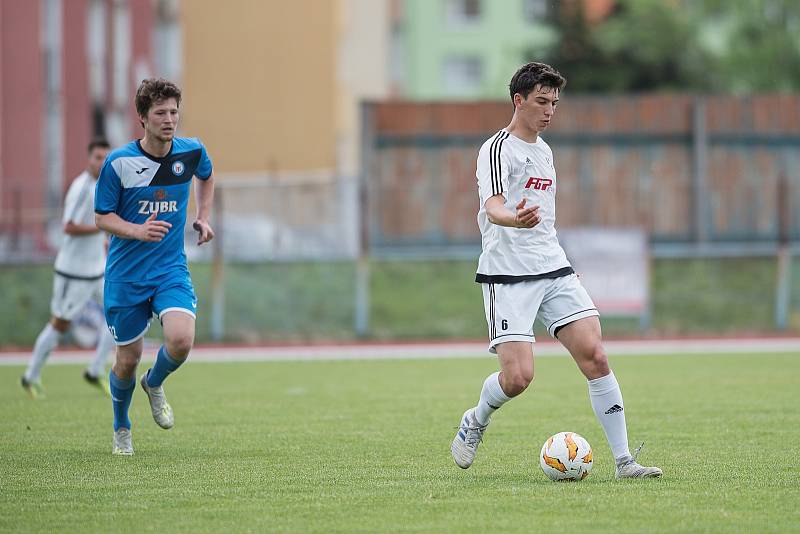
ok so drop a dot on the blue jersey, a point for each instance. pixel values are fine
(134, 185)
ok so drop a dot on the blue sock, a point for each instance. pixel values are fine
(163, 367)
(121, 395)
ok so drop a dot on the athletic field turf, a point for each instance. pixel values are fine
(363, 446)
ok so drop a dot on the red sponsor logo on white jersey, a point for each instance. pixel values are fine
(539, 184)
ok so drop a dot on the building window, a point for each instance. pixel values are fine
(463, 12)
(535, 11)
(463, 75)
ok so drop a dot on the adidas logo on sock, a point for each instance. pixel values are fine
(614, 409)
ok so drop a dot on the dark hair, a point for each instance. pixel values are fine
(154, 90)
(532, 74)
(98, 142)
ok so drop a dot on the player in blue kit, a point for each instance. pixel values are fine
(141, 199)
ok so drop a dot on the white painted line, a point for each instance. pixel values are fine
(413, 351)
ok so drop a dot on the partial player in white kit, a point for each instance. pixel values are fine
(78, 278)
(525, 274)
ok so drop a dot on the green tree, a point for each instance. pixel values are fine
(755, 44)
(577, 53)
(643, 45)
(654, 46)
(683, 45)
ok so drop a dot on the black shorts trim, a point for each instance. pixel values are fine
(76, 277)
(567, 317)
(513, 279)
(507, 335)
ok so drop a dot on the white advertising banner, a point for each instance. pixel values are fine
(613, 265)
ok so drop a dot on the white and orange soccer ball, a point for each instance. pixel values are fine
(566, 456)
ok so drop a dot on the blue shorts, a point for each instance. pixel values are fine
(129, 306)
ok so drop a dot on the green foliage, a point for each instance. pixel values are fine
(280, 301)
(363, 446)
(737, 296)
(762, 51)
(691, 45)
(422, 299)
(426, 299)
(643, 45)
(26, 294)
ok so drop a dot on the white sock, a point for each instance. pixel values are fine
(105, 344)
(607, 404)
(492, 398)
(45, 343)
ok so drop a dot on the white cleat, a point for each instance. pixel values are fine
(630, 469)
(468, 437)
(162, 411)
(123, 444)
(634, 470)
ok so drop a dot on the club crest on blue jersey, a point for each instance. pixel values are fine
(178, 168)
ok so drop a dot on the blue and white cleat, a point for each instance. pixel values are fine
(162, 411)
(468, 437)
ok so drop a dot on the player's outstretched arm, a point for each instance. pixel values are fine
(204, 192)
(150, 230)
(521, 217)
(72, 228)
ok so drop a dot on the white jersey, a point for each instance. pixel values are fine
(81, 256)
(516, 169)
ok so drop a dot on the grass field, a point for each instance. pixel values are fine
(363, 446)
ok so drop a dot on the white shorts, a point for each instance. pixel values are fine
(70, 295)
(512, 308)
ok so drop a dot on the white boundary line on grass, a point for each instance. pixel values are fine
(418, 351)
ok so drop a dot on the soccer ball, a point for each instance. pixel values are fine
(566, 456)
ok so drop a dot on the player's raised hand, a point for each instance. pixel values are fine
(206, 233)
(527, 217)
(153, 230)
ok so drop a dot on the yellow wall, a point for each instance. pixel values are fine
(259, 82)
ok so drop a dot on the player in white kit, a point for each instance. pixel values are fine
(79, 268)
(525, 274)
